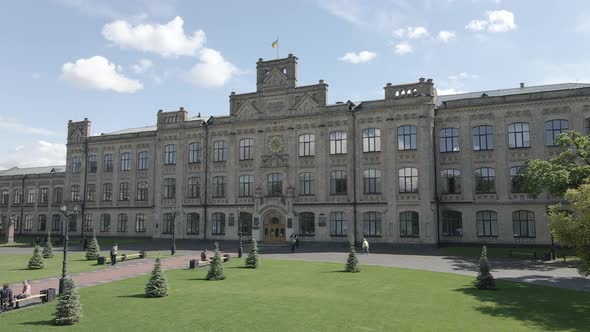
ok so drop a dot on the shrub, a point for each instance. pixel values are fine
(252, 260)
(36, 262)
(157, 286)
(216, 267)
(48, 248)
(69, 309)
(484, 279)
(352, 263)
(93, 250)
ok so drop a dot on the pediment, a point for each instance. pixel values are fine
(275, 78)
(306, 105)
(248, 111)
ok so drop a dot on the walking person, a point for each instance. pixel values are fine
(297, 241)
(5, 298)
(365, 246)
(293, 243)
(114, 251)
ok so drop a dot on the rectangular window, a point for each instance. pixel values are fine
(519, 135)
(337, 224)
(192, 223)
(194, 153)
(372, 224)
(75, 193)
(142, 191)
(92, 166)
(169, 188)
(193, 188)
(409, 224)
(31, 196)
(170, 154)
(514, 183)
(246, 149)
(126, 161)
(406, 138)
(108, 163)
(306, 184)
(56, 223)
(219, 151)
(451, 181)
(523, 224)
(372, 181)
(449, 140)
(124, 191)
(143, 160)
(371, 140)
(139, 223)
(408, 180)
(44, 196)
(42, 225)
(306, 145)
(76, 164)
(107, 192)
(246, 183)
(122, 223)
(17, 197)
(5, 197)
(338, 183)
(105, 222)
(554, 128)
(88, 225)
(307, 223)
(338, 142)
(57, 195)
(485, 180)
(28, 226)
(452, 223)
(483, 138)
(274, 184)
(90, 192)
(218, 224)
(219, 186)
(487, 223)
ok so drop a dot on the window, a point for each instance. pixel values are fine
(142, 191)
(169, 188)
(5, 197)
(337, 224)
(219, 186)
(192, 223)
(17, 222)
(56, 223)
(57, 195)
(452, 223)
(87, 226)
(406, 138)
(194, 153)
(246, 149)
(408, 180)
(28, 222)
(523, 223)
(306, 184)
(306, 224)
(72, 223)
(338, 183)
(76, 164)
(105, 222)
(17, 196)
(514, 185)
(44, 196)
(75, 193)
(170, 154)
(554, 128)
(275, 184)
(123, 191)
(143, 160)
(245, 223)
(108, 163)
(90, 192)
(92, 165)
(485, 180)
(169, 223)
(487, 223)
(30, 195)
(219, 151)
(122, 223)
(306, 145)
(483, 138)
(218, 223)
(371, 140)
(139, 223)
(372, 224)
(587, 126)
(449, 140)
(338, 142)
(409, 226)
(246, 183)
(372, 181)
(126, 161)
(107, 192)
(194, 188)
(42, 224)
(519, 135)
(451, 181)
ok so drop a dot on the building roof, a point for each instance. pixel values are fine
(513, 91)
(132, 130)
(33, 170)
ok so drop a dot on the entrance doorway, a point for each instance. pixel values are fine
(274, 229)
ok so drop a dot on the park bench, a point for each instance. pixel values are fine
(123, 257)
(513, 253)
(16, 302)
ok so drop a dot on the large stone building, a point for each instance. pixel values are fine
(411, 168)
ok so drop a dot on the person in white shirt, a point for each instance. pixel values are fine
(114, 250)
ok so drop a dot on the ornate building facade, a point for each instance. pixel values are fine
(411, 168)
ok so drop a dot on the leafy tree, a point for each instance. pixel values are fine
(48, 248)
(93, 250)
(157, 286)
(69, 309)
(252, 260)
(216, 267)
(484, 279)
(573, 229)
(352, 263)
(36, 262)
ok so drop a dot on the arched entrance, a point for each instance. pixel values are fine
(274, 228)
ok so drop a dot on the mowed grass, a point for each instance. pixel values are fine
(504, 252)
(312, 296)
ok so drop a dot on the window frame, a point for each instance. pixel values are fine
(338, 180)
(407, 138)
(404, 177)
(220, 151)
(245, 182)
(125, 162)
(449, 140)
(170, 154)
(372, 181)
(306, 184)
(488, 220)
(338, 142)
(306, 145)
(194, 152)
(274, 184)
(448, 174)
(480, 179)
(372, 224)
(218, 223)
(523, 228)
(169, 191)
(450, 220)
(371, 140)
(338, 224)
(411, 219)
(518, 136)
(122, 220)
(306, 223)
(482, 141)
(219, 183)
(246, 149)
(143, 161)
(551, 134)
(140, 223)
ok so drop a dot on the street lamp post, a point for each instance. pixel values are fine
(240, 249)
(65, 223)
(175, 213)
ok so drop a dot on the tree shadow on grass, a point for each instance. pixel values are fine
(134, 296)
(238, 267)
(547, 308)
(335, 271)
(40, 323)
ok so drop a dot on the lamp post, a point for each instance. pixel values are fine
(65, 223)
(240, 249)
(175, 212)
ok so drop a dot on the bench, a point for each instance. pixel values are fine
(16, 302)
(123, 257)
(523, 253)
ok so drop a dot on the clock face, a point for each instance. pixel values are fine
(276, 144)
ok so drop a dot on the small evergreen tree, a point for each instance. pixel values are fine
(157, 286)
(69, 309)
(36, 262)
(484, 279)
(48, 248)
(93, 250)
(352, 263)
(216, 267)
(252, 259)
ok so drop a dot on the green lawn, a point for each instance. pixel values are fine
(311, 296)
(503, 252)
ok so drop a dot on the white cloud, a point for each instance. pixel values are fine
(39, 153)
(14, 125)
(360, 57)
(411, 32)
(141, 66)
(213, 70)
(445, 35)
(449, 91)
(497, 21)
(379, 16)
(463, 76)
(165, 39)
(403, 48)
(99, 74)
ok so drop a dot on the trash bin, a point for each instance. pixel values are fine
(101, 260)
(547, 256)
(49, 294)
(193, 263)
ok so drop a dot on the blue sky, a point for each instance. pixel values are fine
(118, 62)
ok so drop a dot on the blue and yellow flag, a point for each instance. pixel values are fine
(275, 44)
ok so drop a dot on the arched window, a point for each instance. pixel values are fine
(126, 161)
(372, 224)
(487, 223)
(122, 222)
(170, 154)
(246, 149)
(523, 223)
(219, 186)
(519, 135)
(338, 226)
(192, 223)
(452, 223)
(123, 191)
(142, 191)
(169, 188)
(371, 140)
(274, 184)
(220, 151)
(451, 181)
(306, 145)
(218, 223)
(105, 222)
(193, 188)
(306, 184)
(408, 180)
(409, 225)
(372, 181)
(338, 183)
(406, 138)
(338, 142)
(554, 128)
(194, 153)
(485, 180)
(449, 140)
(307, 224)
(107, 163)
(483, 138)
(143, 161)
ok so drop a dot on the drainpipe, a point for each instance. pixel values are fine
(206, 161)
(22, 206)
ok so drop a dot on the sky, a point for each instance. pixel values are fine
(118, 62)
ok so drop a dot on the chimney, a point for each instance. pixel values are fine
(522, 85)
